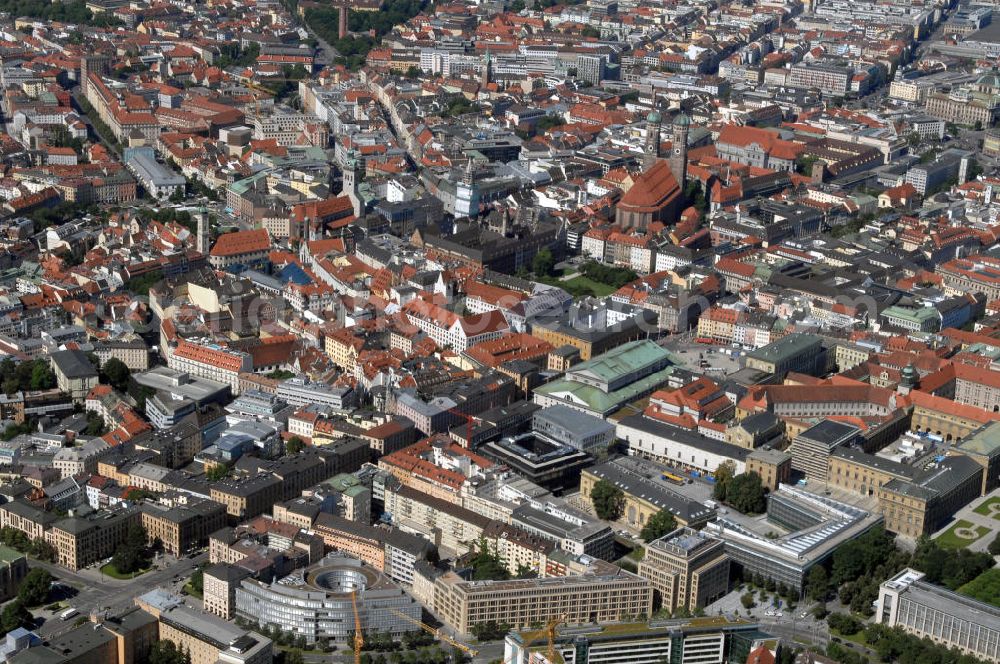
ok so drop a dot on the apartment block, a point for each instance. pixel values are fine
(184, 527)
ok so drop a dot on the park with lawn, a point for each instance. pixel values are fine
(961, 534)
(985, 587)
(989, 507)
(132, 557)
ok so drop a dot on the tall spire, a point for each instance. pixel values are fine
(487, 70)
(652, 147)
(679, 149)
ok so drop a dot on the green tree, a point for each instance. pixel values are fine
(804, 164)
(35, 587)
(723, 474)
(95, 424)
(198, 581)
(746, 599)
(845, 624)
(130, 556)
(608, 500)
(167, 652)
(949, 567)
(490, 630)
(42, 376)
(294, 445)
(293, 657)
(543, 262)
(217, 472)
(15, 615)
(818, 583)
(488, 565)
(746, 493)
(658, 525)
(994, 547)
(116, 373)
(694, 195)
(591, 32)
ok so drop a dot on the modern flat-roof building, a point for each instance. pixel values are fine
(812, 448)
(301, 391)
(609, 596)
(689, 569)
(539, 458)
(945, 617)
(317, 602)
(206, 638)
(691, 641)
(178, 394)
(13, 569)
(573, 428)
(814, 527)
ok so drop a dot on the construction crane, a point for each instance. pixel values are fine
(469, 422)
(549, 631)
(359, 640)
(437, 633)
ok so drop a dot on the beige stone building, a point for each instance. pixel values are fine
(219, 589)
(205, 638)
(613, 595)
(245, 499)
(447, 525)
(80, 542)
(184, 527)
(688, 568)
(772, 466)
(75, 375)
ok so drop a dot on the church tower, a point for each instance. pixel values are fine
(679, 149)
(203, 236)
(652, 146)
(352, 178)
(487, 70)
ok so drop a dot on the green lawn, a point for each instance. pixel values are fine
(949, 539)
(858, 638)
(582, 282)
(190, 590)
(984, 507)
(985, 587)
(112, 571)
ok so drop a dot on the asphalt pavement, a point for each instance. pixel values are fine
(96, 591)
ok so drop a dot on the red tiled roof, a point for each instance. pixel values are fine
(242, 242)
